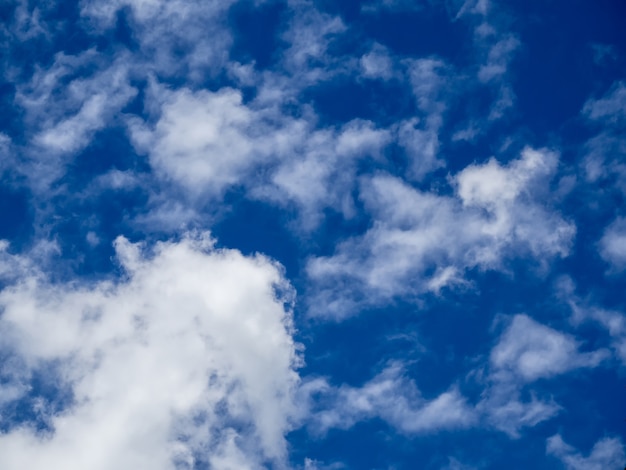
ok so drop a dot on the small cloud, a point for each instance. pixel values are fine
(613, 244)
(607, 453)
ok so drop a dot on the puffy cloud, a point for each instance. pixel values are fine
(65, 105)
(205, 141)
(528, 351)
(608, 452)
(208, 142)
(188, 358)
(393, 397)
(422, 241)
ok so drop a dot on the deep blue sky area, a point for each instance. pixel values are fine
(312, 235)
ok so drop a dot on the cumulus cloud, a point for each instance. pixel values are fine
(608, 452)
(189, 358)
(207, 142)
(421, 241)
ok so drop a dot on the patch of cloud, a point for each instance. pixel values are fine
(498, 59)
(174, 37)
(309, 36)
(377, 63)
(612, 321)
(310, 464)
(432, 85)
(189, 359)
(613, 244)
(322, 171)
(603, 164)
(528, 351)
(421, 241)
(611, 108)
(205, 140)
(394, 398)
(208, 142)
(65, 106)
(608, 452)
(454, 464)
(27, 22)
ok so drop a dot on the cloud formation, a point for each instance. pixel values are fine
(190, 359)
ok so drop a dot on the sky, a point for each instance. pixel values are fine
(312, 234)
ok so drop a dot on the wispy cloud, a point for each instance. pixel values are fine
(606, 453)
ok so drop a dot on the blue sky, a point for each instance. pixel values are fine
(312, 235)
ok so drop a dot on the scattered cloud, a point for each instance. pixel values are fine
(394, 398)
(528, 351)
(495, 214)
(608, 452)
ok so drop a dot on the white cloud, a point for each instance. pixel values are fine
(394, 398)
(190, 357)
(205, 140)
(65, 106)
(612, 321)
(531, 351)
(175, 36)
(611, 108)
(208, 142)
(495, 214)
(607, 453)
(421, 147)
(321, 170)
(528, 351)
(309, 35)
(613, 244)
(429, 78)
(454, 464)
(67, 114)
(377, 64)
(498, 59)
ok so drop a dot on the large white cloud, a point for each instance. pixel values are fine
(188, 357)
